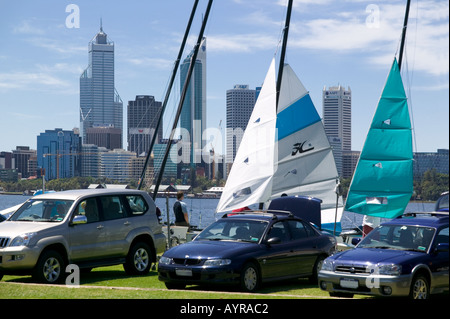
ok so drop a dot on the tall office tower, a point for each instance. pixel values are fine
(100, 104)
(240, 103)
(337, 121)
(109, 137)
(91, 160)
(58, 153)
(193, 115)
(22, 155)
(142, 118)
(116, 164)
(337, 114)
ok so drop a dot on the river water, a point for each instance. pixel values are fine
(201, 210)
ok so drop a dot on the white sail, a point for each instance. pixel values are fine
(250, 179)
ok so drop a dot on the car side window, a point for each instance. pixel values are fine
(297, 229)
(88, 208)
(279, 230)
(138, 205)
(112, 207)
(442, 236)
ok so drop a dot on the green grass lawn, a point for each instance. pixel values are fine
(113, 283)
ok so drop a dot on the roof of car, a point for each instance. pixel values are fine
(421, 220)
(77, 193)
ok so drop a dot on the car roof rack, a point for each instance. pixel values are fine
(415, 214)
(272, 212)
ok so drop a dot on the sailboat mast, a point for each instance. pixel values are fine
(283, 48)
(183, 96)
(405, 25)
(169, 89)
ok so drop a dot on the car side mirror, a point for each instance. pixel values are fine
(356, 240)
(442, 247)
(79, 220)
(274, 241)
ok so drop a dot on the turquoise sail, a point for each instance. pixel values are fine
(382, 184)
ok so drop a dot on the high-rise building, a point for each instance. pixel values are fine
(108, 137)
(337, 114)
(58, 153)
(337, 121)
(142, 118)
(116, 164)
(100, 104)
(91, 160)
(240, 103)
(424, 161)
(193, 114)
(22, 154)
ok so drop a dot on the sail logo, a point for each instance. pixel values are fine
(298, 148)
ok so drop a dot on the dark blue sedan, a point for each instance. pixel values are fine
(247, 249)
(407, 256)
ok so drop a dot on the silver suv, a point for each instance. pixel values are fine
(87, 228)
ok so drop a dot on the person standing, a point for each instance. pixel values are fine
(180, 211)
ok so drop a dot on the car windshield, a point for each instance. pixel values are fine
(234, 230)
(42, 210)
(399, 237)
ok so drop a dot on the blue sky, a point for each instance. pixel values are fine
(346, 42)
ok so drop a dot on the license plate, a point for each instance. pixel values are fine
(183, 272)
(349, 283)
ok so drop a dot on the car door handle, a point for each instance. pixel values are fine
(127, 223)
(100, 227)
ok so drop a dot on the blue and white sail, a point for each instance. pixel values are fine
(305, 164)
(284, 151)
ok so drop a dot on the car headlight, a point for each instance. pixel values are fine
(22, 240)
(390, 270)
(165, 260)
(327, 265)
(217, 262)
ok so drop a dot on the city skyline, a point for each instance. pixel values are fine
(349, 43)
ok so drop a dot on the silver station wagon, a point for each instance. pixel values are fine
(85, 228)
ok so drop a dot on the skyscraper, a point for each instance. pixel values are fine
(240, 103)
(100, 104)
(58, 153)
(142, 117)
(337, 114)
(193, 115)
(337, 121)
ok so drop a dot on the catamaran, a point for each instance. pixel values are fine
(284, 150)
(382, 184)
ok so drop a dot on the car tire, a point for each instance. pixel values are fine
(420, 288)
(139, 260)
(50, 268)
(317, 266)
(250, 278)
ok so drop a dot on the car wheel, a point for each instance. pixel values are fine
(49, 268)
(420, 288)
(250, 280)
(139, 260)
(170, 285)
(317, 266)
